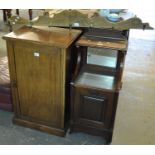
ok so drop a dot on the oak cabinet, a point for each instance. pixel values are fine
(40, 63)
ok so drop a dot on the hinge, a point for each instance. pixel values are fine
(14, 84)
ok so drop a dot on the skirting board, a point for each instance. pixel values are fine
(44, 128)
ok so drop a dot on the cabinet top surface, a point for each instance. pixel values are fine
(45, 35)
(103, 39)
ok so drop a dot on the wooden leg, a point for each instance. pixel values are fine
(8, 13)
(109, 139)
(30, 14)
(4, 15)
(17, 12)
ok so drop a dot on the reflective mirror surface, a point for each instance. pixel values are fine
(102, 57)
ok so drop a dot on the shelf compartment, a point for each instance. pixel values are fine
(98, 81)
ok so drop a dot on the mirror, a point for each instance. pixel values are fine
(102, 57)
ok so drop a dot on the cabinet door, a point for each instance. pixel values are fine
(40, 83)
(93, 108)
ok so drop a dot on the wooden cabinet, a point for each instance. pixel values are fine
(96, 83)
(40, 62)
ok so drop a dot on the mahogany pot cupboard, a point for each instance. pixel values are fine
(97, 81)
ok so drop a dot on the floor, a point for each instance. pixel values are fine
(11, 134)
(135, 116)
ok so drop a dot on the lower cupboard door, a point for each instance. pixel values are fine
(93, 108)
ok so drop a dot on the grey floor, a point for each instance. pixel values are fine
(11, 134)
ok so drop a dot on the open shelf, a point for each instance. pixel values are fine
(98, 42)
(102, 34)
(98, 81)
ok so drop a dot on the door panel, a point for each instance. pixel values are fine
(93, 108)
(39, 83)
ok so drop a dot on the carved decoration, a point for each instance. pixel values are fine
(74, 18)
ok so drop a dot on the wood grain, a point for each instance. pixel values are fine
(119, 45)
(45, 35)
(39, 62)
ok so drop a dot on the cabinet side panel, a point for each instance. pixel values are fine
(12, 71)
(63, 84)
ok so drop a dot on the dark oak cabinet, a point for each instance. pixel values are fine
(40, 69)
(96, 84)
